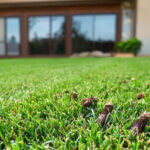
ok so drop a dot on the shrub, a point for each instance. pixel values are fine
(133, 45)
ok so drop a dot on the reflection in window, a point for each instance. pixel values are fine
(82, 33)
(105, 32)
(46, 35)
(58, 34)
(94, 32)
(127, 24)
(10, 27)
(13, 36)
(2, 37)
(39, 35)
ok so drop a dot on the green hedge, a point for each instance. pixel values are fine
(133, 45)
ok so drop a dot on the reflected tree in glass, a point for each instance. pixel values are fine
(94, 32)
(58, 34)
(47, 35)
(82, 33)
(105, 32)
(39, 33)
(13, 36)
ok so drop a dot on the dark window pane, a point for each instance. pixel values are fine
(82, 27)
(105, 32)
(13, 36)
(94, 32)
(58, 34)
(39, 32)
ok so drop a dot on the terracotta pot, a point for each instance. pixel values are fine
(123, 55)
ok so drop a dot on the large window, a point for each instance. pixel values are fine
(127, 24)
(39, 34)
(82, 33)
(47, 35)
(9, 36)
(13, 36)
(94, 32)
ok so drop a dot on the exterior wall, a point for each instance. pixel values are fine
(143, 24)
(62, 2)
(68, 11)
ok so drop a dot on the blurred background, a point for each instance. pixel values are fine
(77, 28)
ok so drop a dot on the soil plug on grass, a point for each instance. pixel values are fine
(74, 95)
(148, 84)
(124, 82)
(86, 102)
(102, 117)
(56, 96)
(139, 125)
(67, 91)
(140, 96)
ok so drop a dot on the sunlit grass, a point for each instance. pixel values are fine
(36, 113)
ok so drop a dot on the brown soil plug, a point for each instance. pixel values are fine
(124, 82)
(139, 125)
(140, 96)
(86, 102)
(148, 84)
(107, 109)
(67, 91)
(74, 95)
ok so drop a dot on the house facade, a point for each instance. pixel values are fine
(30, 28)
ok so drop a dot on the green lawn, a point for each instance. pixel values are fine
(36, 113)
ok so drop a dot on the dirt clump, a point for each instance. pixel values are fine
(140, 96)
(74, 95)
(102, 117)
(139, 125)
(86, 102)
(66, 91)
(148, 84)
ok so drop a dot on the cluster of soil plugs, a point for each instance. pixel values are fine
(137, 127)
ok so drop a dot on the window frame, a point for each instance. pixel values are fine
(93, 31)
(5, 35)
(50, 30)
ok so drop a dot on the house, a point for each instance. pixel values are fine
(63, 27)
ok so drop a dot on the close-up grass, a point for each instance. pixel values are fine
(40, 103)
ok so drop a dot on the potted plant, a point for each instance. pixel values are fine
(128, 48)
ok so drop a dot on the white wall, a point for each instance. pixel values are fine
(143, 25)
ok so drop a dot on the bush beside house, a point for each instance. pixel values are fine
(133, 46)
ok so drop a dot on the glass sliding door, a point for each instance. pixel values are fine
(58, 34)
(39, 34)
(10, 36)
(82, 33)
(13, 36)
(2, 36)
(47, 35)
(94, 32)
(105, 32)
